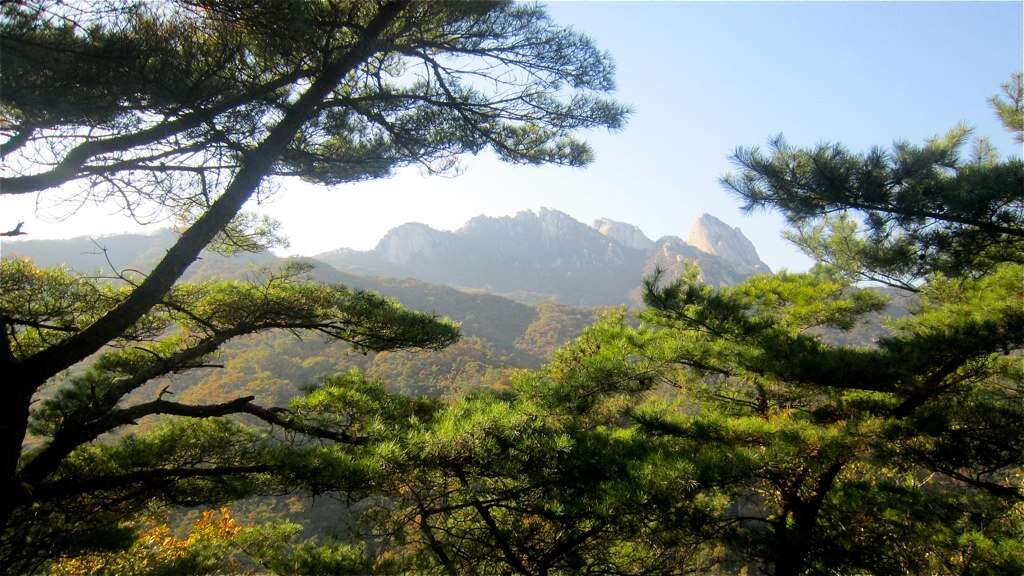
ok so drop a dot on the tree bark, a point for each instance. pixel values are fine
(793, 543)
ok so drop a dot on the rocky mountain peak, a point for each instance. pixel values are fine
(557, 224)
(552, 215)
(546, 223)
(712, 236)
(537, 255)
(407, 242)
(626, 234)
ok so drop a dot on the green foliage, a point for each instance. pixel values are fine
(925, 208)
(1010, 109)
(43, 305)
(717, 431)
(184, 88)
(276, 548)
(189, 109)
(904, 457)
(466, 365)
(493, 485)
(202, 459)
(925, 426)
(217, 544)
(724, 432)
(593, 375)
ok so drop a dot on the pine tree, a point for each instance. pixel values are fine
(726, 431)
(790, 454)
(538, 479)
(902, 457)
(1010, 109)
(925, 209)
(78, 488)
(195, 108)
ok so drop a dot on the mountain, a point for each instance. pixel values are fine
(541, 261)
(88, 254)
(499, 335)
(625, 234)
(532, 257)
(712, 236)
(529, 257)
(103, 254)
(497, 331)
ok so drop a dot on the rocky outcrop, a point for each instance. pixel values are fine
(410, 242)
(711, 235)
(535, 256)
(625, 234)
(673, 255)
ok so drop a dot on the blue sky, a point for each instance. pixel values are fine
(702, 78)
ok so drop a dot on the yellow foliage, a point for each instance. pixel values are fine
(153, 548)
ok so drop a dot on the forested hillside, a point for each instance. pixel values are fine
(497, 333)
(169, 409)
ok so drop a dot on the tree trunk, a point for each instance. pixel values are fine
(791, 547)
(793, 543)
(27, 375)
(14, 411)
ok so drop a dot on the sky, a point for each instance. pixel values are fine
(702, 79)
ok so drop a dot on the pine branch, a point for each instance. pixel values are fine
(69, 168)
(80, 486)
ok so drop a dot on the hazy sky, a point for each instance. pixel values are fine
(702, 78)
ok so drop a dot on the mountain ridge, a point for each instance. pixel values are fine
(529, 257)
(499, 333)
(534, 256)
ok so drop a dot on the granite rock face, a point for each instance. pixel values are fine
(625, 234)
(411, 242)
(529, 257)
(711, 235)
(673, 255)
(535, 256)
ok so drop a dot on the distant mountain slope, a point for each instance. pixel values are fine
(541, 261)
(536, 256)
(499, 323)
(86, 254)
(132, 251)
(498, 333)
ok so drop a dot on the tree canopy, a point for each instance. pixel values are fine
(192, 109)
(327, 91)
(727, 431)
(74, 486)
(926, 208)
(719, 429)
